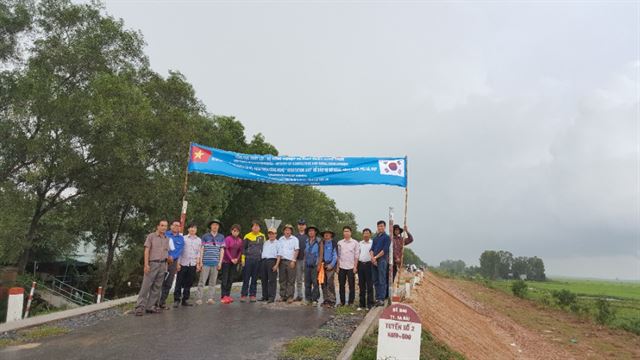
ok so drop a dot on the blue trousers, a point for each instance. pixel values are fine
(379, 275)
(250, 277)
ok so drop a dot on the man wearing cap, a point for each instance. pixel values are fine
(288, 248)
(211, 252)
(300, 267)
(398, 246)
(379, 259)
(270, 263)
(329, 260)
(156, 248)
(177, 241)
(311, 262)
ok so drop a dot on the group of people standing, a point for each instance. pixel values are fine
(307, 260)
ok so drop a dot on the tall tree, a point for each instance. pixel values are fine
(47, 112)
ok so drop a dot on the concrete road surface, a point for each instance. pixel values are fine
(236, 331)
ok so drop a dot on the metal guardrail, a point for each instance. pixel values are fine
(70, 293)
(66, 291)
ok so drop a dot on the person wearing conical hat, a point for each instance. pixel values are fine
(329, 260)
(288, 248)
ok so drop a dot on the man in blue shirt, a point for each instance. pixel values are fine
(379, 259)
(329, 257)
(177, 240)
(311, 262)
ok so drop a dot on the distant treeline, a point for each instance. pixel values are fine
(499, 265)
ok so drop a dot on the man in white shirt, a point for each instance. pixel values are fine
(188, 265)
(288, 247)
(347, 266)
(365, 277)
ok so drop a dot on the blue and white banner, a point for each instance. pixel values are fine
(299, 170)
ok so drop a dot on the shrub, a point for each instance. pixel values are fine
(632, 325)
(519, 288)
(564, 297)
(605, 314)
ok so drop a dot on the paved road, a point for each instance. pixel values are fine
(236, 331)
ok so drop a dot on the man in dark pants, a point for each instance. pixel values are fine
(270, 266)
(300, 267)
(365, 278)
(379, 260)
(347, 265)
(252, 255)
(312, 261)
(188, 265)
(177, 244)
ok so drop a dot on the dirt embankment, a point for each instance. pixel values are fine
(484, 323)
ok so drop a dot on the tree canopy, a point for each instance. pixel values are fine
(95, 143)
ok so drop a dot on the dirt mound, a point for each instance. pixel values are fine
(476, 330)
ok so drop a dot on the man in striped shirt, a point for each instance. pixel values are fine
(211, 252)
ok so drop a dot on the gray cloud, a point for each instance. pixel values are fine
(520, 121)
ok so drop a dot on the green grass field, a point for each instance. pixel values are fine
(623, 297)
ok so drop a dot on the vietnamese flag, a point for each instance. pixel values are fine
(199, 154)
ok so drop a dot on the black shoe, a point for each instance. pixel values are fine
(176, 304)
(298, 299)
(263, 300)
(186, 303)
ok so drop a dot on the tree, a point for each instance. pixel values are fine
(490, 264)
(410, 257)
(504, 264)
(46, 115)
(535, 269)
(520, 266)
(453, 266)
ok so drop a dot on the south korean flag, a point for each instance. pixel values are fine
(392, 167)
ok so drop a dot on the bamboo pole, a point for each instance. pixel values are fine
(406, 202)
(185, 187)
(390, 288)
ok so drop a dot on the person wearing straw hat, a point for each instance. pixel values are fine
(211, 253)
(312, 261)
(270, 264)
(398, 246)
(288, 248)
(329, 260)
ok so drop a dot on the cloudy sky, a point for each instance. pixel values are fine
(520, 120)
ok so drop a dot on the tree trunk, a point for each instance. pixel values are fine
(31, 235)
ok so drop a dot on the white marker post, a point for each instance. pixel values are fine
(29, 299)
(15, 303)
(99, 295)
(399, 333)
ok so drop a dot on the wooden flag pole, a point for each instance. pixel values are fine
(406, 201)
(185, 187)
(390, 288)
